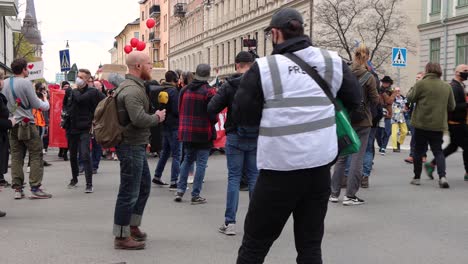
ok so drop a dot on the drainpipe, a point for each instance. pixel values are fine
(444, 23)
(4, 42)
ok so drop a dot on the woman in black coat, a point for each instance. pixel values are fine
(5, 124)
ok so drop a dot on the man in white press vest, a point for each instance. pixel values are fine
(297, 141)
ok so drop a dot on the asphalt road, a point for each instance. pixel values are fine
(400, 223)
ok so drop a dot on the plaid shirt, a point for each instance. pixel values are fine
(195, 124)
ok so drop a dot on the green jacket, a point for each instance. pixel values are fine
(433, 99)
(133, 106)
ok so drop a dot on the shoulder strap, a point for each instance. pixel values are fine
(314, 75)
(363, 80)
(15, 97)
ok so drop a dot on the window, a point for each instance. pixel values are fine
(136, 35)
(462, 49)
(435, 6)
(143, 37)
(217, 56)
(209, 56)
(143, 15)
(434, 55)
(462, 2)
(235, 47)
(222, 54)
(229, 53)
(155, 55)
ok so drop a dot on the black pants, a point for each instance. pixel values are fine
(271, 205)
(435, 140)
(80, 142)
(458, 138)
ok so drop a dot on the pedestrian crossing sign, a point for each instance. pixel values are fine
(65, 60)
(399, 57)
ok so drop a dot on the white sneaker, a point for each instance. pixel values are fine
(229, 230)
(190, 179)
(333, 199)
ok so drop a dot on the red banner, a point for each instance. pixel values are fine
(220, 141)
(57, 136)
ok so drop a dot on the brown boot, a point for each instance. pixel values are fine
(136, 234)
(128, 243)
(365, 182)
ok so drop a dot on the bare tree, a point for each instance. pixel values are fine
(22, 48)
(344, 24)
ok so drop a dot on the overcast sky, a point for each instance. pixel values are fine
(89, 25)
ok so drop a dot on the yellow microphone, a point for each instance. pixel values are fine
(163, 98)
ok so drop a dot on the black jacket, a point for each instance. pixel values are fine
(224, 98)
(5, 124)
(459, 114)
(84, 103)
(249, 99)
(172, 108)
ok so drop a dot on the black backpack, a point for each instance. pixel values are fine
(360, 113)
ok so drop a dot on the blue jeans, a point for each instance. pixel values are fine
(369, 155)
(240, 153)
(171, 147)
(383, 134)
(190, 156)
(134, 190)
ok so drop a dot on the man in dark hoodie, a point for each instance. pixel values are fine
(240, 150)
(196, 131)
(171, 145)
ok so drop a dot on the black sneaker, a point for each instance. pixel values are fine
(352, 201)
(198, 200)
(173, 187)
(89, 188)
(178, 197)
(81, 170)
(47, 164)
(72, 184)
(244, 187)
(159, 182)
(4, 183)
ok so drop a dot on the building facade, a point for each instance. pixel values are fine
(131, 30)
(213, 31)
(8, 25)
(444, 34)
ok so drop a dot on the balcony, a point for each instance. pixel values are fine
(180, 9)
(8, 7)
(155, 11)
(154, 36)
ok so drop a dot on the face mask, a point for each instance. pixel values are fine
(464, 75)
(80, 83)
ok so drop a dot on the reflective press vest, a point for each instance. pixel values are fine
(297, 129)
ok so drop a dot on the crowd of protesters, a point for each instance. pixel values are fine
(280, 125)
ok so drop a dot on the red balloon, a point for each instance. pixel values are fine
(134, 42)
(141, 46)
(150, 23)
(128, 49)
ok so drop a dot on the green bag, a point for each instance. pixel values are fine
(348, 140)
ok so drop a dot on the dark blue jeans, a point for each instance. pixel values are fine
(134, 190)
(369, 155)
(240, 153)
(171, 147)
(190, 156)
(383, 134)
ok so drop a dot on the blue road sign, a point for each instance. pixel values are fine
(399, 57)
(65, 60)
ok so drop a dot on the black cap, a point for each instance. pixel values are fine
(387, 79)
(244, 56)
(203, 72)
(282, 17)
